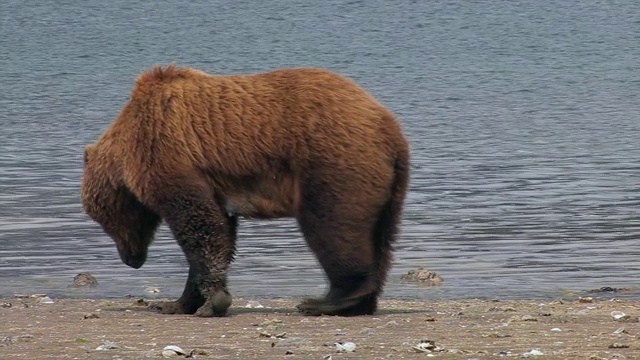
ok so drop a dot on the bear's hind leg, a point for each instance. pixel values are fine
(344, 249)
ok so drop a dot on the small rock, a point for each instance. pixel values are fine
(84, 279)
(141, 302)
(293, 341)
(289, 352)
(367, 331)
(345, 347)
(5, 305)
(91, 316)
(282, 335)
(556, 329)
(609, 289)
(327, 357)
(388, 324)
(427, 346)
(501, 309)
(499, 335)
(270, 322)
(423, 276)
(198, 352)
(618, 346)
(108, 345)
(585, 299)
(172, 350)
(19, 338)
(24, 338)
(523, 318)
(152, 290)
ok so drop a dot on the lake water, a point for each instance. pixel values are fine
(523, 117)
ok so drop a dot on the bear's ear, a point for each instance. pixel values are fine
(88, 153)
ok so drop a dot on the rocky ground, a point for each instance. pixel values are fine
(37, 327)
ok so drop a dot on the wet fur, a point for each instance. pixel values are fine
(198, 150)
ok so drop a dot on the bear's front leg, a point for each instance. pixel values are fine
(188, 303)
(206, 234)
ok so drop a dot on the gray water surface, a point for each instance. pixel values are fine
(523, 117)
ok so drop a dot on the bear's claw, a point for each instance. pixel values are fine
(171, 307)
(362, 305)
(216, 305)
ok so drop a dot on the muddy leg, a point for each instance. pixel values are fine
(207, 236)
(188, 303)
(344, 248)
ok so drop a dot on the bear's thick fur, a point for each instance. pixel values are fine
(198, 150)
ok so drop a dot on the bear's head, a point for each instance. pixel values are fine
(107, 200)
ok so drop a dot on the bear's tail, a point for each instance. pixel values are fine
(388, 224)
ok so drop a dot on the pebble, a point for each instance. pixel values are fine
(427, 346)
(388, 324)
(270, 322)
(501, 309)
(108, 345)
(367, 331)
(293, 341)
(19, 338)
(141, 302)
(523, 318)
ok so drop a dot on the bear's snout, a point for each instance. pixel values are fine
(134, 261)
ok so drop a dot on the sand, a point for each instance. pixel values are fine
(470, 329)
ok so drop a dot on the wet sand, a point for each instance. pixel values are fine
(470, 329)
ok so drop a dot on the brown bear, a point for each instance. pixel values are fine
(198, 150)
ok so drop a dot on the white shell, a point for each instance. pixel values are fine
(172, 350)
(345, 347)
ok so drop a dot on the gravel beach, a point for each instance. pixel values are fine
(37, 327)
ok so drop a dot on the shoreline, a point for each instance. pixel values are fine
(583, 328)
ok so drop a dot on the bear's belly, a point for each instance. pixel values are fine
(256, 206)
